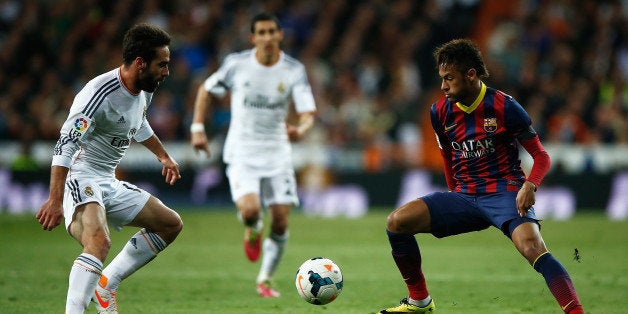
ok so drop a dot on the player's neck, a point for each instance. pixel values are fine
(473, 97)
(267, 59)
(128, 79)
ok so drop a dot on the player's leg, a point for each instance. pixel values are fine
(401, 226)
(280, 193)
(89, 227)
(250, 214)
(441, 214)
(244, 184)
(160, 227)
(527, 239)
(273, 249)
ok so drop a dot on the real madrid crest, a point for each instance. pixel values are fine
(490, 124)
(281, 88)
(89, 191)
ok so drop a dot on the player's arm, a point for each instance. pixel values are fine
(305, 121)
(75, 128)
(531, 143)
(447, 165)
(170, 167)
(51, 212)
(304, 106)
(445, 150)
(198, 137)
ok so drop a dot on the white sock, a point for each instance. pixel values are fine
(420, 303)
(271, 255)
(84, 275)
(141, 249)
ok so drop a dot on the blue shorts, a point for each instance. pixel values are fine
(455, 213)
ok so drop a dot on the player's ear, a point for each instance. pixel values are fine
(140, 63)
(471, 74)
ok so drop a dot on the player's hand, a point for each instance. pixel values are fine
(170, 169)
(293, 132)
(199, 142)
(525, 198)
(50, 214)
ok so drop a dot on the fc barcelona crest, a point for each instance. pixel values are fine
(490, 124)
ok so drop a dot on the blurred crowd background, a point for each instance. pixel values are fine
(369, 63)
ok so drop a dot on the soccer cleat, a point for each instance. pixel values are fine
(252, 244)
(405, 307)
(105, 300)
(266, 290)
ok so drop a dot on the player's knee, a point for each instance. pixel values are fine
(394, 223)
(531, 249)
(98, 245)
(250, 215)
(173, 226)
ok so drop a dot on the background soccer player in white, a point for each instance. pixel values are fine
(106, 115)
(262, 82)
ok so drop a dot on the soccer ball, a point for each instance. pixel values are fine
(319, 280)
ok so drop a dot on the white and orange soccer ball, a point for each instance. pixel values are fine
(319, 280)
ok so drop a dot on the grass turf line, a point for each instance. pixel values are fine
(205, 270)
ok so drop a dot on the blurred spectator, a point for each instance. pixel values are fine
(369, 62)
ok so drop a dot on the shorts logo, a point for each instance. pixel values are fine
(490, 124)
(88, 191)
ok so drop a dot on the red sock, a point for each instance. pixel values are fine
(559, 283)
(405, 252)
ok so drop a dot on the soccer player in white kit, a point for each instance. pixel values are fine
(262, 82)
(106, 115)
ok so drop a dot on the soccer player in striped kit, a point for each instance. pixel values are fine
(105, 117)
(478, 129)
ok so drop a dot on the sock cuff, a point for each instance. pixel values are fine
(279, 238)
(537, 262)
(89, 262)
(156, 243)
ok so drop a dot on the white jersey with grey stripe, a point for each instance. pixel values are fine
(260, 100)
(103, 120)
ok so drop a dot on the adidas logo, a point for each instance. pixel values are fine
(121, 120)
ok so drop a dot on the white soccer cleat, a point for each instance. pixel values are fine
(105, 300)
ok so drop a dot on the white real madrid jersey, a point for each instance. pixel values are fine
(103, 120)
(260, 99)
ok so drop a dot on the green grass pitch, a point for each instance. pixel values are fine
(205, 270)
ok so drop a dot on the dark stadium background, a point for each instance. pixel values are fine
(373, 78)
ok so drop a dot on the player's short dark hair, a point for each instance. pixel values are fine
(142, 40)
(264, 16)
(462, 55)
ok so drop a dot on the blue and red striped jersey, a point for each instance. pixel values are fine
(480, 141)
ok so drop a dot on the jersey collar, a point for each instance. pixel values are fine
(476, 103)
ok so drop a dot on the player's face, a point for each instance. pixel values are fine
(156, 71)
(267, 37)
(456, 85)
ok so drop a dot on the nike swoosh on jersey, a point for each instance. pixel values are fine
(449, 127)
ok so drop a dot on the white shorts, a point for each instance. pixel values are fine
(279, 187)
(121, 200)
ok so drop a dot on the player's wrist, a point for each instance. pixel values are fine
(534, 187)
(197, 127)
